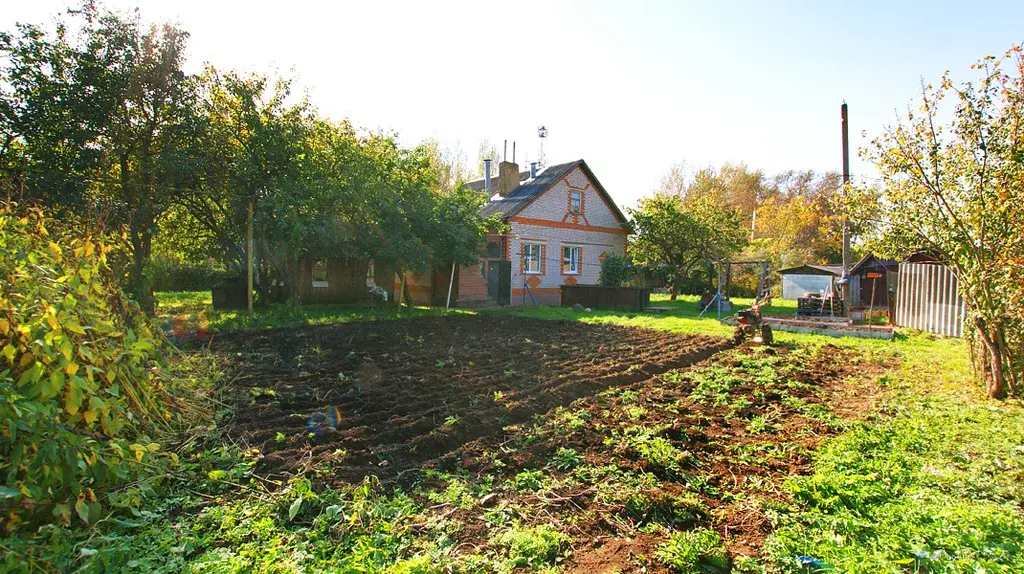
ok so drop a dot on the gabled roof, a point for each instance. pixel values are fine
(868, 259)
(808, 269)
(529, 189)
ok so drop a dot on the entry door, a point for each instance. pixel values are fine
(493, 279)
(504, 282)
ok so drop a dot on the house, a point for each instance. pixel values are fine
(873, 274)
(561, 222)
(819, 279)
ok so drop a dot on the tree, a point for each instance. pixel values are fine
(96, 121)
(955, 181)
(683, 235)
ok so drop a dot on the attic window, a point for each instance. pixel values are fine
(320, 273)
(575, 202)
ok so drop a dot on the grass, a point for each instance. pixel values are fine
(932, 481)
(195, 308)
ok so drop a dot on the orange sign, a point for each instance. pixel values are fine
(874, 275)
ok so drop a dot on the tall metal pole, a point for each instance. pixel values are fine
(847, 298)
(249, 249)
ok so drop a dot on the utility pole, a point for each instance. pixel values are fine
(249, 255)
(847, 298)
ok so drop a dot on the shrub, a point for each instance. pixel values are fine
(615, 270)
(79, 386)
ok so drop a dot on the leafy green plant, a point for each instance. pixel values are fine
(528, 480)
(694, 552)
(566, 459)
(533, 547)
(81, 386)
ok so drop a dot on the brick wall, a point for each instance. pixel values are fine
(549, 223)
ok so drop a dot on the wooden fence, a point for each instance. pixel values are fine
(928, 298)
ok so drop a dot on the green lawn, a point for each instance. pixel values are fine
(931, 481)
(682, 318)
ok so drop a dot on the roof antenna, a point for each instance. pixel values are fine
(542, 133)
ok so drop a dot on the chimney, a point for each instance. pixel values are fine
(487, 176)
(508, 177)
(533, 170)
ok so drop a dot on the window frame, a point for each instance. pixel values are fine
(319, 283)
(575, 197)
(568, 259)
(527, 258)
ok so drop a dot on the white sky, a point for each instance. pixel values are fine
(631, 87)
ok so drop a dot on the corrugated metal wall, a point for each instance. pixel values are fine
(928, 298)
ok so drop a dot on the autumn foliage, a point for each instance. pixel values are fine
(80, 381)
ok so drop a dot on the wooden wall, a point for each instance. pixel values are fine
(346, 281)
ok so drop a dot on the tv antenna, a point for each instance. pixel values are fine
(542, 133)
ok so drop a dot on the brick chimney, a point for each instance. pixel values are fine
(508, 177)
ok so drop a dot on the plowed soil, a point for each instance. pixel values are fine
(382, 398)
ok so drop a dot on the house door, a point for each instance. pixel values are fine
(499, 281)
(493, 276)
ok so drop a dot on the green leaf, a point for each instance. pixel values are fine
(294, 509)
(7, 492)
(82, 509)
(55, 385)
(74, 400)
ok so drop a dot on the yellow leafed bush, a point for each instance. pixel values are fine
(80, 391)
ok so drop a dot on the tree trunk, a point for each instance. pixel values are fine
(995, 377)
(676, 278)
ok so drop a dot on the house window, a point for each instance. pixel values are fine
(320, 273)
(571, 260)
(531, 258)
(575, 202)
(493, 250)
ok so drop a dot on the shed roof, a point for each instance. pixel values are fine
(809, 269)
(871, 261)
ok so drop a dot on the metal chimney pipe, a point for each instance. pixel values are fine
(533, 170)
(513, 152)
(487, 176)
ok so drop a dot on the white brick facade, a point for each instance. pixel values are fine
(549, 222)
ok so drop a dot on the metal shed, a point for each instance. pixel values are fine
(807, 278)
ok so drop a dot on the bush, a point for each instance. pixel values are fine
(616, 270)
(80, 389)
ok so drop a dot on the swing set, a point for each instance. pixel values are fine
(721, 297)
